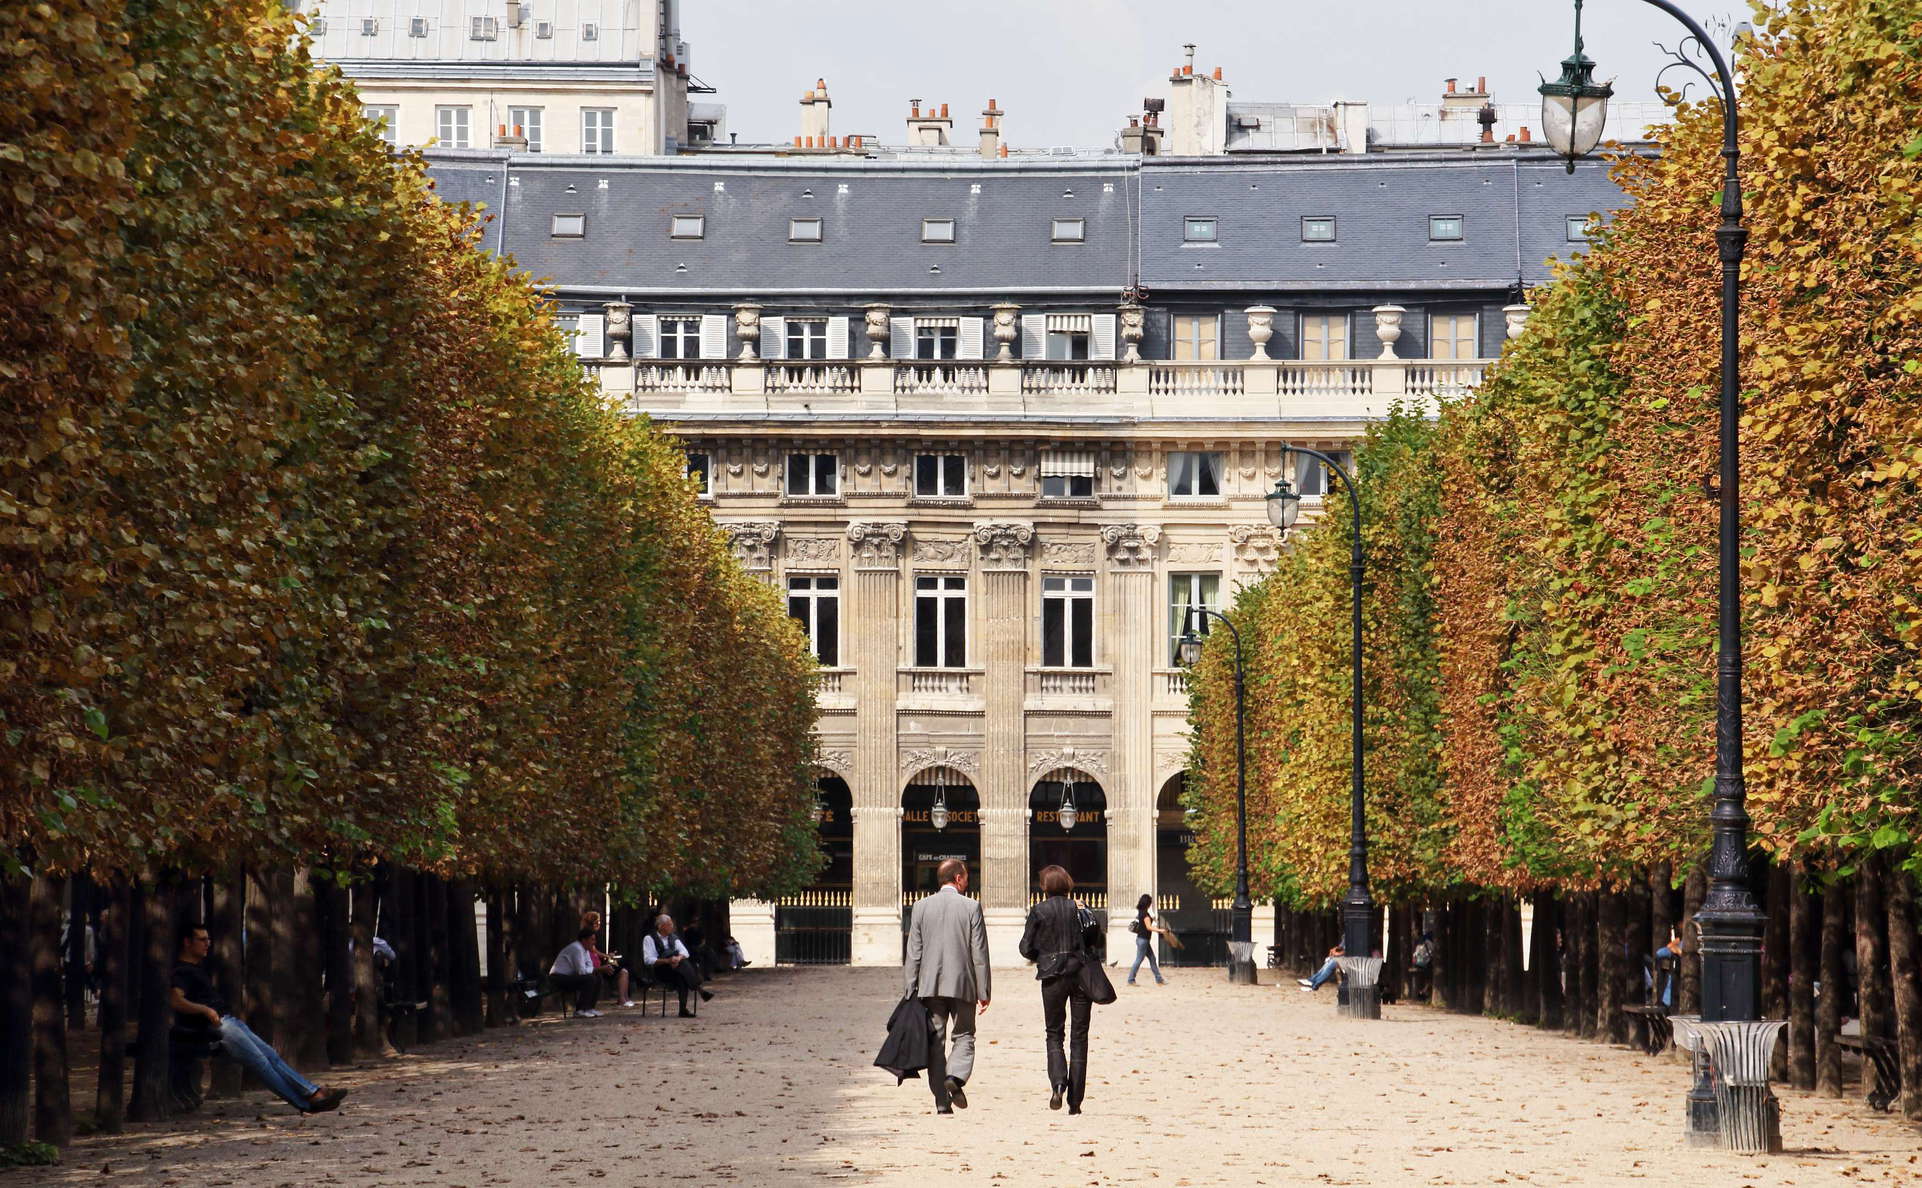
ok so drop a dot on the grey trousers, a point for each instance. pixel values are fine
(942, 1063)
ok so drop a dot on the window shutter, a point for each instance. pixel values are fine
(773, 337)
(1101, 337)
(590, 340)
(970, 345)
(901, 337)
(1034, 336)
(647, 336)
(713, 336)
(837, 338)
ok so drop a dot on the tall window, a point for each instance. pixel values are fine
(1324, 337)
(597, 129)
(1067, 486)
(1186, 590)
(940, 622)
(1311, 474)
(1067, 622)
(936, 341)
(697, 470)
(450, 126)
(382, 116)
(816, 603)
(813, 474)
(1452, 336)
(807, 338)
(528, 120)
(1197, 336)
(680, 338)
(1194, 476)
(940, 476)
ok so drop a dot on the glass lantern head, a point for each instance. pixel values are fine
(1284, 505)
(1575, 106)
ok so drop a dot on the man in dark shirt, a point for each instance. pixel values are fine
(198, 1005)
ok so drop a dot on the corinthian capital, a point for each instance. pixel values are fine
(1131, 546)
(752, 542)
(1003, 544)
(877, 544)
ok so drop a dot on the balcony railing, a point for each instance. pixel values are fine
(939, 682)
(1325, 379)
(831, 679)
(941, 379)
(1066, 378)
(1206, 380)
(1444, 381)
(1069, 682)
(683, 377)
(813, 377)
(1172, 683)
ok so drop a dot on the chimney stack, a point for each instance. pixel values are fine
(930, 128)
(514, 140)
(1455, 99)
(991, 130)
(815, 109)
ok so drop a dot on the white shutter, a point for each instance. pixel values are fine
(647, 336)
(901, 337)
(1101, 337)
(773, 337)
(1034, 336)
(837, 338)
(714, 336)
(590, 341)
(970, 346)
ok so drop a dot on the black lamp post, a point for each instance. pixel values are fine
(1573, 112)
(1241, 962)
(1358, 908)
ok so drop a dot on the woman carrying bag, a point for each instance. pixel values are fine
(1057, 940)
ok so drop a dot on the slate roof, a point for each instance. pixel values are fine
(1515, 209)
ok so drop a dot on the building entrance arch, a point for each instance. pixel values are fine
(1200, 921)
(940, 819)
(1068, 827)
(815, 925)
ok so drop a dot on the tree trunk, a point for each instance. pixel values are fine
(152, 1089)
(1638, 942)
(1694, 890)
(226, 924)
(1612, 963)
(528, 930)
(1905, 969)
(500, 942)
(1544, 963)
(465, 992)
(1514, 979)
(1775, 960)
(438, 1022)
(1828, 1008)
(80, 914)
(1661, 911)
(1805, 939)
(331, 904)
(52, 1101)
(110, 965)
(1442, 970)
(397, 921)
(306, 1045)
(366, 980)
(16, 1012)
(259, 955)
(1494, 954)
(1872, 956)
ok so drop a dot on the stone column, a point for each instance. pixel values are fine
(874, 606)
(1132, 635)
(1004, 547)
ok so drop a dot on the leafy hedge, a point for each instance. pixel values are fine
(315, 543)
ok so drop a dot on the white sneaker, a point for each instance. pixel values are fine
(588, 1014)
(1307, 989)
(1304, 983)
(628, 1003)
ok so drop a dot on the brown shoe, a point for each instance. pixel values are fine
(328, 1099)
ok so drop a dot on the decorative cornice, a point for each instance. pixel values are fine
(1131, 546)
(1003, 543)
(877, 543)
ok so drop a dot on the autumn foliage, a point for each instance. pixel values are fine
(315, 544)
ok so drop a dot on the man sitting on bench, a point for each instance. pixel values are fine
(668, 962)
(200, 1009)
(577, 971)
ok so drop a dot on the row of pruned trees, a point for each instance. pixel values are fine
(1540, 611)
(318, 553)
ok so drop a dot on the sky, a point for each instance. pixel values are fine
(1070, 72)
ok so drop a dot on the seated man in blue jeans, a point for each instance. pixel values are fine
(1327, 970)
(199, 1007)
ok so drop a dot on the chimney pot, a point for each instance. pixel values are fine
(820, 84)
(856, 140)
(503, 130)
(1188, 70)
(1481, 83)
(1511, 138)
(1526, 138)
(1450, 83)
(797, 142)
(1217, 74)
(944, 111)
(1004, 150)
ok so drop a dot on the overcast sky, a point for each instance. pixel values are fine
(1070, 72)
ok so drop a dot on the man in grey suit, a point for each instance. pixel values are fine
(947, 968)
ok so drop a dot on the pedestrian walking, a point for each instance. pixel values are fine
(1057, 939)
(1144, 929)
(947, 969)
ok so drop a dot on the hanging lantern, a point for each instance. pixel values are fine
(1067, 814)
(938, 815)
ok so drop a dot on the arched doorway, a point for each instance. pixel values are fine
(1182, 906)
(1068, 827)
(814, 926)
(940, 819)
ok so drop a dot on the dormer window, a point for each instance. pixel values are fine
(570, 226)
(370, 26)
(1445, 228)
(804, 230)
(485, 28)
(1069, 231)
(1318, 228)
(590, 31)
(937, 230)
(1199, 230)
(417, 27)
(687, 227)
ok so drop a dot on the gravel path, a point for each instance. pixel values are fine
(1195, 1083)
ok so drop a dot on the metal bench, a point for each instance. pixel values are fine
(1652, 1026)
(1879, 1054)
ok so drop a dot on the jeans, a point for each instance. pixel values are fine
(258, 1057)
(1326, 971)
(1145, 948)
(1058, 995)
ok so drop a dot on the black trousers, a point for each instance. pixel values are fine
(682, 978)
(1058, 995)
(586, 988)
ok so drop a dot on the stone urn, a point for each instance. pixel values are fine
(876, 322)
(1134, 323)
(620, 328)
(747, 328)
(1516, 319)
(1388, 327)
(1261, 328)
(1006, 330)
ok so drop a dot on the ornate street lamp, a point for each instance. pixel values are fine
(938, 814)
(1730, 922)
(1241, 954)
(1067, 814)
(1575, 106)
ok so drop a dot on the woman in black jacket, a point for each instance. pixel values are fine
(1056, 940)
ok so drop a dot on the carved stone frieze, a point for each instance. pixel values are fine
(813, 550)
(924, 758)
(752, 542)
(1131, 546)
(1067, 552)
(1094, 763)
(877, 544)
(1193, 552)
(940, 550)
(841, 763)
(1003, 543)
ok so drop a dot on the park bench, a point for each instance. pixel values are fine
(1880, 1055)
(1651, 1024)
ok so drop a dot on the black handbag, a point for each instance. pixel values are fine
(1094, 980)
